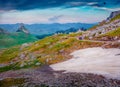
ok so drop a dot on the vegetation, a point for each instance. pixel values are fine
(109, 36)
(115, 18)
(9, 54)
(113, 33)
(100, 24)
(12, 82)
(9, 67)
(14, 39)
(70, 30)
(16, 66)
(43, 36)
(49, 50)
(103, 22)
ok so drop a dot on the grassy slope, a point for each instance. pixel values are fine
(115, 18)
(8, 40)
(49, 50)
(110, 34)
(57, 48)
(98, 25)
(113, 33)
(9, 54)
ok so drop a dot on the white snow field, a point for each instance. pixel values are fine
(93, 60)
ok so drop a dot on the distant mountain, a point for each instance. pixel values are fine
(19, 37)
(22, 29)
(2, 31)
(40, 29)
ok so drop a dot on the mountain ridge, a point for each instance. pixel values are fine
(40, 29)
(2, 31)
(21, 36)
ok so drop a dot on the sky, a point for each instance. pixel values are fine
(56, 11)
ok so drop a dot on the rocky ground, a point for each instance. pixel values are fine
(75, 72)
(47, 77)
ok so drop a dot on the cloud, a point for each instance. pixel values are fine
(106, 9)
(74, 4)
(92, 3)
(77, 4)
(43, 4)
(55, 18)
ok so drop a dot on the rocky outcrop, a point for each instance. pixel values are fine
(113, 14)
(22, 29)
(103, 29)
(106, 27)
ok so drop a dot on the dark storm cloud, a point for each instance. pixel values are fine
(41, 4)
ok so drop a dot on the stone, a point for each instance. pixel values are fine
(47, 60)
(115, 38)
(81, 37)
(22, 56)
(38, 63)
(90, 37)
(61, 51)
(32, 56)
(24, 45)
(22, 64)
(112, 15)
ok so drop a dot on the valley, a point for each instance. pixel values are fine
(81, 58)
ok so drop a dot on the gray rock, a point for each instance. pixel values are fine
(24, 45)
(22, 64)
(32, 56)
(22, 56)
(38, 63)
(113, 14)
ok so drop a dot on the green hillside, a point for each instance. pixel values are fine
(49, 50)
(110, 36)
(13, 39)
(115, 18)
(113, 33)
